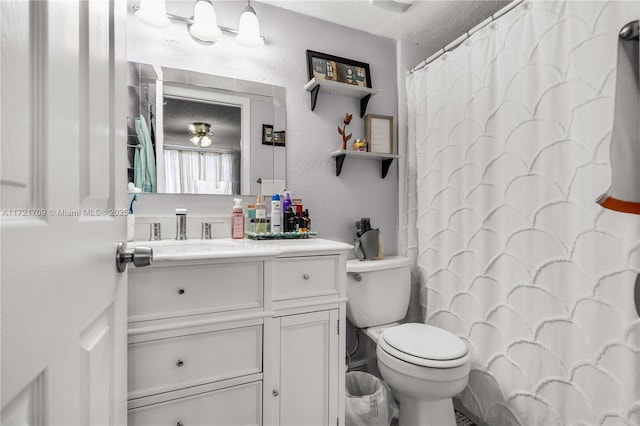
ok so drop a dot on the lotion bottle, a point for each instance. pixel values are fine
(276, 214)
(237, 220)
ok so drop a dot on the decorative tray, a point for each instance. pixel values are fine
(280, 236)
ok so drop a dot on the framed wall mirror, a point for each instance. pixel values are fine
(195, 133)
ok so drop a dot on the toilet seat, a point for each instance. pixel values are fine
(424, 345)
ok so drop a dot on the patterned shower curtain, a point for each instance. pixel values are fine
(508, 150)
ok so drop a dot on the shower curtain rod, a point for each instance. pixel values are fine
(457, 42)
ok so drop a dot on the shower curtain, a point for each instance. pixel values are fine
(508, 150)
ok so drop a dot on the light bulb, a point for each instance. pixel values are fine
(153, 13)
(195, 140)
(205, 141)
(249, 29)
(205, 22)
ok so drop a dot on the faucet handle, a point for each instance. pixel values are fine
(206, 230)
(155, 232)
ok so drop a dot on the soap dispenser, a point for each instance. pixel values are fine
(237, 220)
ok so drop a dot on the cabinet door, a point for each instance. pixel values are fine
(309, 358)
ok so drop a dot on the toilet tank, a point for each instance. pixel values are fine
(382, 294)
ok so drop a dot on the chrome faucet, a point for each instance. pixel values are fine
(181, 224)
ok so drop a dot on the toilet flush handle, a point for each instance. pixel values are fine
(356, 276)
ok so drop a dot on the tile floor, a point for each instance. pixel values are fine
(462, 420)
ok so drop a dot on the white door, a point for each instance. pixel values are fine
(308, 373)
(63, 118)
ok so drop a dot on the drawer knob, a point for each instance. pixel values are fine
(275, 392)
(179, 423)
(306, 276)
(180, 363)
(181, 290)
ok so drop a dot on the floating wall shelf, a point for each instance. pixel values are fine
(342, 89)
(385, 159)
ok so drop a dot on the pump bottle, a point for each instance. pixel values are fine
(237, 220)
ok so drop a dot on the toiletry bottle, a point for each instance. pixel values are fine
(290, 220)
(261, 215)
(287, 201)
(251, 215)
(276, 214)
(380, 254)
(307, 220)
(237, 220)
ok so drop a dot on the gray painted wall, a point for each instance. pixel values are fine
(334, 202)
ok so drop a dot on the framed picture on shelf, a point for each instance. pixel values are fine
(322, 66)
(267, 134)
(379, 133)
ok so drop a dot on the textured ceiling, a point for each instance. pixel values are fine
(431, 24)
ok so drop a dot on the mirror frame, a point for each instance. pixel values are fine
(194, 79)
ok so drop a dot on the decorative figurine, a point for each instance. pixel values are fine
(345, 137)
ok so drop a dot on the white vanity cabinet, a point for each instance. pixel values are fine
(252, 338)
(308, 351)
(308, 343)
(195, 343)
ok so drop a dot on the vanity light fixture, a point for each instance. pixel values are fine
(153, 13)
(201, 133)
(249, 28)
(203, 27)
(205, 23)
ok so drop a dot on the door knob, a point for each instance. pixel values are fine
(139, 256)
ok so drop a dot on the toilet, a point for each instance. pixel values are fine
(425, 366)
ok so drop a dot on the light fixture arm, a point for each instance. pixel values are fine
(249, 8)
(189, 21)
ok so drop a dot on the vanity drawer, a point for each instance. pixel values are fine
(160, 365)
(237, 405)
(186, 290)
(297, 277)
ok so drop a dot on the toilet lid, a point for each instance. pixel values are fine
(425, 342)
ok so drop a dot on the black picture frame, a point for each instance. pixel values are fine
(329, 67)
(279, 138)
(267, 134)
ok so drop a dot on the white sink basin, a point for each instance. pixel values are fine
(220, 242)
(165, 251)
(176, 250)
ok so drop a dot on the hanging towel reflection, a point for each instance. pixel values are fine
(144, 164)
(624, 193)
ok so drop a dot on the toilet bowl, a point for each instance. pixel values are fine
(425, 366)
